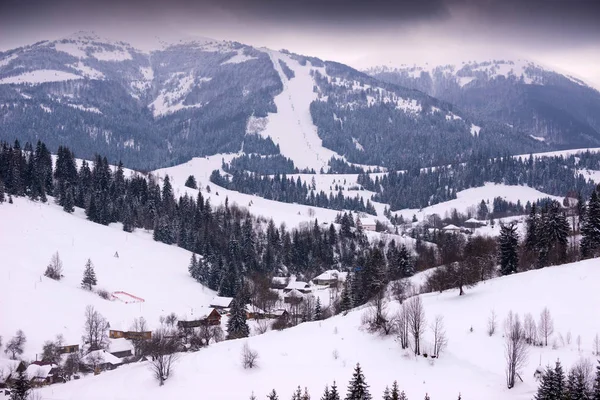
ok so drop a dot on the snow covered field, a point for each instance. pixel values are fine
(473, 363)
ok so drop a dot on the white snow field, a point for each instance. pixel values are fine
(31, 232)
(473, 363)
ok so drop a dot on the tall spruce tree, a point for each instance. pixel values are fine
(334, 394)
(272, 395)
(237, 327)
(394, 394)
(194, 268)
(590, 227)
(576, 386)
(508, 243)
(596, 387)
(358, 388)
(89, 276)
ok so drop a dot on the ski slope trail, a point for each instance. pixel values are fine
(292, 127)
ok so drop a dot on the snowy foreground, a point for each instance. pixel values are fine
(473, 363)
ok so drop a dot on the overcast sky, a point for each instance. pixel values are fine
(563, 34)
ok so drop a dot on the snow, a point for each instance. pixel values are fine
(465, 80)
(118, 345)
(5, 61)
(331, 274)
(475, 130)
(104, 355)
(473, 363)
(38, 371)
(148, 73)
(451, 228)
(170, 101)
(39, 76)
(239, 58)
(357, 145)
(220, 301)
(560, 153)
(144, 268)
(469, 199)
(45, 108)
(590, 174)
(71, 48)
(411, 106)
(112, 55)
(538, 138)
(87, 71)
(292, 126)
(94, 110)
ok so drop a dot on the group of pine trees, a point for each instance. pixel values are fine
(229, 241)
(358, 389)
(289, 190)
(575, 386)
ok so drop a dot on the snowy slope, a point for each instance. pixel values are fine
(473, 363)
(291, 126)
(31, 232)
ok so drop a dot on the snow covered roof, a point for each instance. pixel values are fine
(201, 313)
(297, 285)
(250, 308)
(331, 275)
(294, 293)
(451, 228)
(223, 302)
(367, 221)
(280, 280)
(106, 356)
(39, 371)
(118, 345)
(474, 221)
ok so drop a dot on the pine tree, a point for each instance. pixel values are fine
(318, 311)
(546, 388)
(596, 388)
(21, 387)
(273, 395)
(576, 386)
(386, 394)
(590, 227)
(69, 201)
(334, 394)
(2, 198)
(508, 244)
(237, 326)
(252, 396)
(89, 276)
(427, 397)
(358, 388)
(305, 395)
(402, 396)
(194, 268)
(346, 300)
(297, 395)
(326, 394)
(394, 395)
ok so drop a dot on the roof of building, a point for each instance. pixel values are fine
(279, 313)
(367, 221)
(297, 285)
(219, 301)
(451, 228)
(250, 308)
(294, 293)
(39, 371)
(280, 280)
(118, 345)
(106, 357)
(331, 275)
(474, 221)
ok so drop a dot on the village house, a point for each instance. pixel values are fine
(473, 223)
(120, 348)
(101, 360)
(72, 348)
(368, 224)
(9, 370)
(221, 303)
(279, 282)
(302, 287)
(131, 335)
(41, 374)
(330, 277)
(294, 297)
(451, 229)
(206, 316)
(253, 312)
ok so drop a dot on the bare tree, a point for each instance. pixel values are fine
(208, 333)
(515, 348)
(14, 347)
(546, 325)
(439, 336)
(492, 323)
(585, 368)
(416, 322)
(139, 325)
(55, 268)
(530, 329)
(94, 360)
(249, 357)
(400, 290)
(94, 333)
(597, 345)
(403, 326)
(162, 348)
(71, 366)
(262, 326)
(376, 317)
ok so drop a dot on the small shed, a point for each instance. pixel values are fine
(332, 276)
(302, 287)
(206, 316)
(253, 312)
(41, 374)
(9, 370)
(451, 229)
(221, 303)
(101, 360)
(72, 348)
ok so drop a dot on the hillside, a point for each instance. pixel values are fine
(550, 107)
(473, 363)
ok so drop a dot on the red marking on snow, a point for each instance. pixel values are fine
(127, 298)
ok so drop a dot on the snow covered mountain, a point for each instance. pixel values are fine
(197, 98)
(550, 107)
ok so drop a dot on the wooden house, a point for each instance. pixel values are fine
(368, 224)
(221, 303)
(294, 297)
(72, 348)
(120, 348)
(331, 277)
(302, 287)
(42, 374)
(101, 360)
(116, 334)
(253, 312)
(208, 317)
(9, 370)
